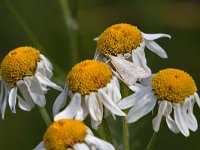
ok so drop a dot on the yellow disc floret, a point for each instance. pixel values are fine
(173, 85)
(19, 63)
(88, 76)
(64, 134)
(119, 39)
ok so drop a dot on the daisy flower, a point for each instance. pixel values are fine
(123, 45)
(68, 134)
(93, 90)
(24, 76)
(175, 92)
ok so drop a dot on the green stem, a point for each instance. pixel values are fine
(125, 134)
(72, 28)
(125, 92)
(45, 116)
(152, 141)
(106, 131)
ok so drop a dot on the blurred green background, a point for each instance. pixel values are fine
(52, 33)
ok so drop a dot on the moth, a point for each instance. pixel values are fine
(128, 71)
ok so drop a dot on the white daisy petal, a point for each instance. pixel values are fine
(35, 91)
(47, 63)
(81, 146)
(1, 93)
(60, 101)
(12, 99)
(152, 37)
(83, 111)
(187, 111)
(23, 104)
(147, 81)
(25, 93)
(154, 47)
(180, 121)
(196, 96)
(131, 100)
(157, 120)
(40, 146)
(44, 80)
(98, 143)
(4, 104)
(95, 124)
(136, 87)
(141, 110)
(115, 80)
(71, 110)
(93, 107)
(171, 124)
(109, 104)
(138, 57)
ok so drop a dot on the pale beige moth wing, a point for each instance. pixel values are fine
(128, 71)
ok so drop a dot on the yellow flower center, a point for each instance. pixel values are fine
(88, 76)
(64, 134)
(119, 39)
(19, 63)
(173, 85)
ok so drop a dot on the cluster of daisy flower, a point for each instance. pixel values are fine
(93, 88)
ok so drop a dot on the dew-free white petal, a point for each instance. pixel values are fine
(35, 91)
(180, 120)
(154, 47)
(98, 143)
(23, 104)
(109, 104)
(71, 110)
(60, 101)
(157, 120)
(152, 37)
(12, 99)
(81, 146)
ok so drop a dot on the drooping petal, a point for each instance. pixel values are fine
(1, 93)
(180, 120)
(138, 57)
(136, 87)
(83, 111)
(154, 47)
(147, 81)
(12, 99)
(98, 143)
(44, 80)
(40, 146)
(131, 100)
(152, 37)
(141, 109)
(187, 111)
(4, 104)
(25, 93)
(71, 110)
(196, 96)
(35, 91)
(81, 146)
(157, 120)
(48, 66)
(60, 101)
(109, 104)
(93, 107)
(23, 104)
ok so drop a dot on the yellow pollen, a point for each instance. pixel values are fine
(64, 134)
(88, 76)
(173, 85)
(119, 39)
(19, 63)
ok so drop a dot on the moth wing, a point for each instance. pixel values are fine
(128, 71)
